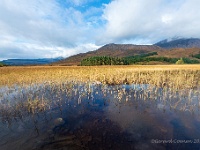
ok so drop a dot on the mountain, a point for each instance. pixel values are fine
(170, 48)
(179, 43)
(113, 50)
(24, 62)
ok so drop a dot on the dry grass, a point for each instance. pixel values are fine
(175, 76)
(180, 82)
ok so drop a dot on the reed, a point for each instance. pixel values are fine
(41, 89)
(174, 76)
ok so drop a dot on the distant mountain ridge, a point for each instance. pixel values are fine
(113, 46)
(179, 43)
(25, 62)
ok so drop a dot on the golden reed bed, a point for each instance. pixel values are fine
(174, 76)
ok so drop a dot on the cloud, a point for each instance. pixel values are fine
(78, 2)
(65, 52)
(32, 28)
(29, 50)
(36, 29)
(38, 21)
(150, 20)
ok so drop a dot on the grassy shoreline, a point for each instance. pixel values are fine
(175, 76)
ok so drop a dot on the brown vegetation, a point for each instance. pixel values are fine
(170, 75)
(179, 52)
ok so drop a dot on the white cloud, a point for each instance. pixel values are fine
(143, 19)
(40, 21)
(166, 19)
(41, 28)
(66, 52)
(77, 2)
(34, 27)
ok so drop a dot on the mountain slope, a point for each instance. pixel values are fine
(179, 52)
(173, 48)
(179, 43)
(113, 50)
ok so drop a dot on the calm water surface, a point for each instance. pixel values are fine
(96, 116)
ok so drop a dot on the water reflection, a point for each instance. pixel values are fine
(95, 116)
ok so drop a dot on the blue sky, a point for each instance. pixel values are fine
(52, 28)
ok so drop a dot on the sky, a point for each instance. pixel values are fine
(53, 28)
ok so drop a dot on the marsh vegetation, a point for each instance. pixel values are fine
(99, 107)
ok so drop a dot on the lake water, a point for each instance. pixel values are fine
(96, 116)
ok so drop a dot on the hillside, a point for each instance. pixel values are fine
(179, 52)
(113, 50)
(126, 50)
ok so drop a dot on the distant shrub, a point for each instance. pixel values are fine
(190, 61)
(196, 56)
(103, 60)
(134, 60)
(1, 65)
(180, 61)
